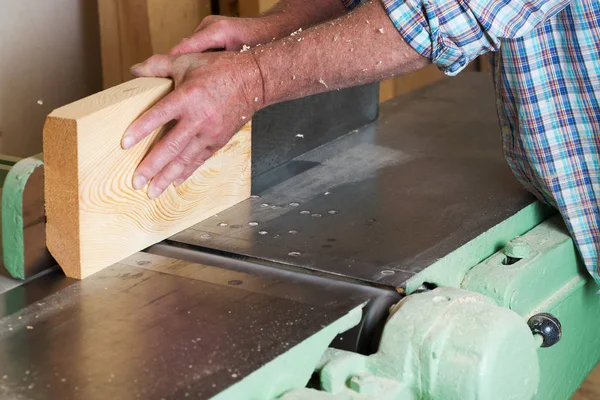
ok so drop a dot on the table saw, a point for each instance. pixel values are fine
(387, 252)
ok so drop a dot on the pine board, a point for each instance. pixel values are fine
(94, 216)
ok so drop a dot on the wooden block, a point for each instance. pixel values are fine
(94, 216)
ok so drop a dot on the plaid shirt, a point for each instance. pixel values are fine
(545, 58)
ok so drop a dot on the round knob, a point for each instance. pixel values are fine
(547, 326)
(517, 248)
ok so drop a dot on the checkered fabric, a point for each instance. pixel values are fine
(545, 58)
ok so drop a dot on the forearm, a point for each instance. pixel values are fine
(308, 12)
(288, 16)
(358, 48)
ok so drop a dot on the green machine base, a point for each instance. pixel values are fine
(520, 325)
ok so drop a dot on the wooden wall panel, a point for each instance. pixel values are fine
(170, 21)
(252, 8)
(133, 30)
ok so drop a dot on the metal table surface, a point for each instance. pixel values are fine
(424, 179)
(157, 328)
(384, 202)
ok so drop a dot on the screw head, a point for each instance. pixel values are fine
(547, 326)
(517, 248)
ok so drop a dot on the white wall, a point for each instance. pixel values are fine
(49, 52)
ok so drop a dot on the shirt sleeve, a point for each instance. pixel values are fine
(352, 4)
(452, 33)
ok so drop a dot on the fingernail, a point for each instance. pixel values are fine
(127, 141)
(139, 181)
(135, 66)
(154, 192)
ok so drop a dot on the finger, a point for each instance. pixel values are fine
(169, 147)
(207, 152)
(206, 21)
(210, 38)
(164, 111)
(189, 170)
(173, 170)
(159, 65)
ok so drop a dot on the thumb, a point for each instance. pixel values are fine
(159, 65)
(211, 37)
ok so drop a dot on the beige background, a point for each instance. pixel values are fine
(50, 52)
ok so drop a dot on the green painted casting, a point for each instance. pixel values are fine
(473, 343)
(549, 279)
(517, 249)
(450, 270)
(448, 344)
(292, 369)
(12, 215)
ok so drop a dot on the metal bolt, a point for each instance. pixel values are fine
(517, 249)
(548, 326)
(364, 384)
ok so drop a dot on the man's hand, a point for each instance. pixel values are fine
(218, 92)
(215, 95)
(216, 32)
(226, 33)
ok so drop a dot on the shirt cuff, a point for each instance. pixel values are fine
(452, 33)
(352, 4)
